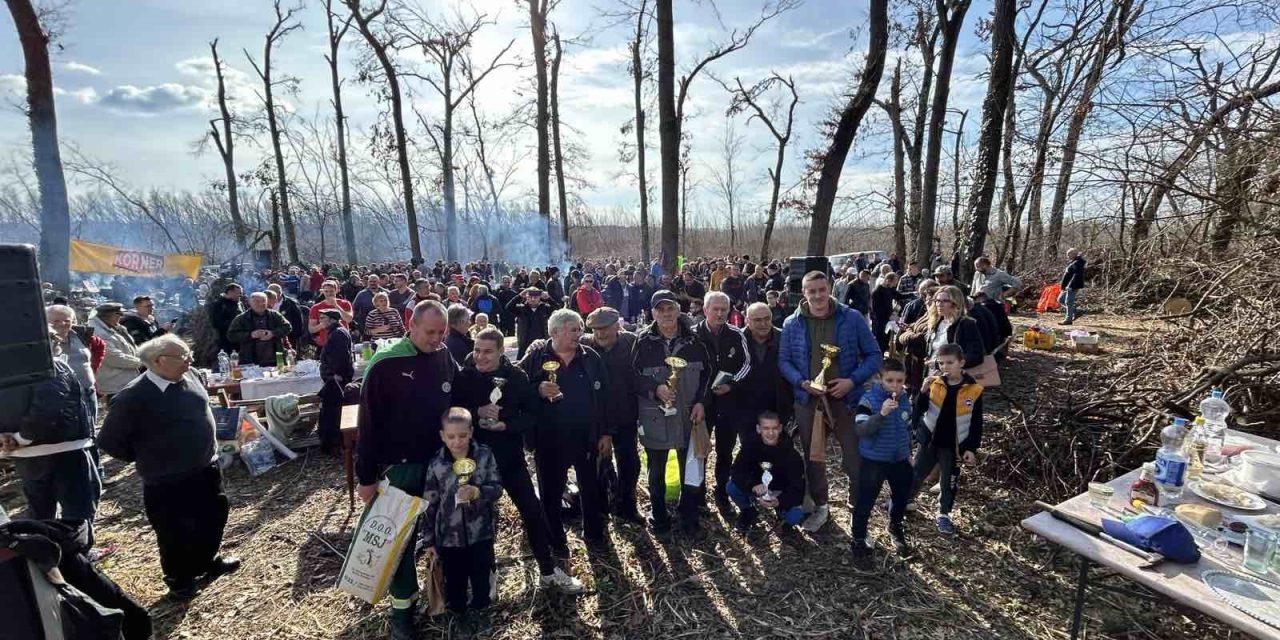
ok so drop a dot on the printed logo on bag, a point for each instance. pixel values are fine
(377, 533)
(446, 387)
(733, 351)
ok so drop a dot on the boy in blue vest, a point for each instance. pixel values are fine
(882, 421)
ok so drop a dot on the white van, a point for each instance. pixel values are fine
(841, 260)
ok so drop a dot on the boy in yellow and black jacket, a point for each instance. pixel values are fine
(948, 419)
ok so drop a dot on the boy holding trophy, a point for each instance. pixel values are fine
(768, 472)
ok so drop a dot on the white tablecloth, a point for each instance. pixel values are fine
(267, 387)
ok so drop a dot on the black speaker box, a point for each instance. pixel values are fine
(24, 344)
(801, 265)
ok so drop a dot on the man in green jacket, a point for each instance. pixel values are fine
(259, 332)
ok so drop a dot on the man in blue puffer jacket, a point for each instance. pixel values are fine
(820, 320)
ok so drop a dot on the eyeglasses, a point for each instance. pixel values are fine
(942, 300)
(186, 357)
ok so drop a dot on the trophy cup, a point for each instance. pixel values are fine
(819, 382)
(463, 468)
(676, 364)
(495, 397)
(551, 366)
(766, 477)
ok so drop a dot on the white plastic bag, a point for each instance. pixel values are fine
(379, 541)
(693, 468)
(259, 456)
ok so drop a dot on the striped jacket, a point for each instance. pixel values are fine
(968, 411)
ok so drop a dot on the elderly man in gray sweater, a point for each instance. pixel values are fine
(161, 421)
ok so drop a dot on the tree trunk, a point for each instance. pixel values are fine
(637, 77)
(847, 127)
(538, 26)
(450, 180)
(1237, 166)
(340, 123)
(275, 229)
(990, 134)
(669, 136)
(899, 158)
(1110, 39)
(225, 142)
(956, 229)
(916, 149)
(937, 119)
(1009, 201)
(273, 127)
(55, 214)
(563, 198)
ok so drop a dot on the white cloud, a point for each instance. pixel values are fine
(82, 68)
(12, 84)
(154, 99)
(86, 95)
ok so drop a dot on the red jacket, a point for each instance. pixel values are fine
(97, 351)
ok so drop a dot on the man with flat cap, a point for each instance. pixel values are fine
(614, 346)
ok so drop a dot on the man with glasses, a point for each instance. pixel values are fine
(587, 297)
(161, 422)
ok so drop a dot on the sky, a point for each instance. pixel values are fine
(135, 84)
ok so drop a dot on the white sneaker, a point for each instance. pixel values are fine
(816, 519)
(562, 581)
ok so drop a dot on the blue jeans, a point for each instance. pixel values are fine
(1068, 299)
(791, 515)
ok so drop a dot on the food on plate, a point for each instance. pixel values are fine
(1224, 493)
(1199, 514)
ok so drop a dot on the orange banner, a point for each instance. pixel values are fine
(101, 258)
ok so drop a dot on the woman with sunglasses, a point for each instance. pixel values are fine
(947, 323)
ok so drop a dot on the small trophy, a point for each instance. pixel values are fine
(676, 364)
(463, 468)
(495, 397)
(765, 478)
(819, 383)
(551, 366)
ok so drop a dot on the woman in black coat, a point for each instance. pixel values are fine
(948, 317)
(882, 299)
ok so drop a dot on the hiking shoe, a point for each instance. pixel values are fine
(222, 566)
(945, 526)
(402, 627)
(816, 519)
(561, 581)
(746, 519)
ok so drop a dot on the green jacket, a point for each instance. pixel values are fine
(259, 352)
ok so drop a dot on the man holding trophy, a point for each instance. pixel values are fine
(673, 375)
(828, 354)
(503, 402)
(572, 425)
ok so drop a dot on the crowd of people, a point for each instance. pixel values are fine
(750, 362)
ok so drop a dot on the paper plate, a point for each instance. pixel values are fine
(1245, 501)
(1254, 596)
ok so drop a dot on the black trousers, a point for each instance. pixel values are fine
(928, 457)
(626, 450)
(729, 428)
(519, 487)
(328, 425)
(553, 460)
(690, 497)
(463, 565)
(81, 574)
(68, 479)
(188, 514)
(871, 477)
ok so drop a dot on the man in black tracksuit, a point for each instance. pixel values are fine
(531, 311)
(501, 426)
(726, 347)
(614, 346)
(336, 370)
(407, 389)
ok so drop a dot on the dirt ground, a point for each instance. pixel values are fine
(993, 580)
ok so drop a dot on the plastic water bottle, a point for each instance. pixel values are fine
(1171, 464)
(224, 363)
(1214, 410)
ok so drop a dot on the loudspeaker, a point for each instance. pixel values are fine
(262, 259)
(800, 265)
(24, 344)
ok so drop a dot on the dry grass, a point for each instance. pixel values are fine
(992, 581)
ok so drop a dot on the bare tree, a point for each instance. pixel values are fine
(224, 140)
(336, 33)
(447, 46)
(538, 10)
(671, 109)
(990, 134)
(893, 108)
(845, 127)
(638, 75)
(381, 47)
(557, 148)
(55, 214)
(950, 19)
(284, 25)
(743, 99)
(726, 178)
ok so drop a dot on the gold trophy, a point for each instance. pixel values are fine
(495, 397)
(676, 364)
(551, 366)
(819, 383)
(463, 468)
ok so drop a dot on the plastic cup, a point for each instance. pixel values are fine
(1100, 494)
(1258, 547)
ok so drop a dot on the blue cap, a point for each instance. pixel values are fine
(1180, 421)
(1216, 393)
(1165, 536)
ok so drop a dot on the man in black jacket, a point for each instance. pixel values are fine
(502, 401)
(295, 313)
(222, 311)
(614, 346)
(336, 370)
(726, 347)
(459, 341)
(505, 294)
(763, 388)
(574, 428)
(141, 322)
(1072, 282)
(531, 311)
